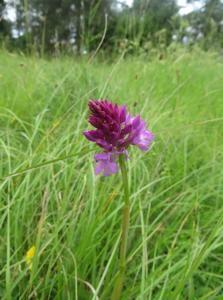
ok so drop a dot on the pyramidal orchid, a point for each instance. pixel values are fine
(116, 130)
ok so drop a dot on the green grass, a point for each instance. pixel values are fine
(51, 198)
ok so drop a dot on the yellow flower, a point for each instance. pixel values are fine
(29, 256)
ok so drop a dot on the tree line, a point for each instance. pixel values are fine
(80, 26)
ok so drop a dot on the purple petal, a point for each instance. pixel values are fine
(101, 156)
(136, 122)
(103, 144)
(98, 168)
(127, 129)
(93, 135)
(93, 105)
(88, 135)
(105, 163)
(128, 118)
(122, 113)
(95, 121)
(143, 140)
(110, 168)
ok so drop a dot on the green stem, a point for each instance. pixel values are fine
(125, 225)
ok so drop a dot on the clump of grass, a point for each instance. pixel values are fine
(50, 197)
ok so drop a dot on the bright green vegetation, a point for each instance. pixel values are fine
(54, 201)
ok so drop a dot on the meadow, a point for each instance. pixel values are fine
(51, 198)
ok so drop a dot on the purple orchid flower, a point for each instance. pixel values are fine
(115, 131)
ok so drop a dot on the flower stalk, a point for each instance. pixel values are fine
(124, 236)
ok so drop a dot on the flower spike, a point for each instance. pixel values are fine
(115, 131)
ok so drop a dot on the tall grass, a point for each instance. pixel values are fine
(51, 198)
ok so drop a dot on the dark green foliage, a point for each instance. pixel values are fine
(154, 18)
(4, 24)
(213, 23)
(206, 25)
(59, 25)
(81, 26)
(70, 24)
